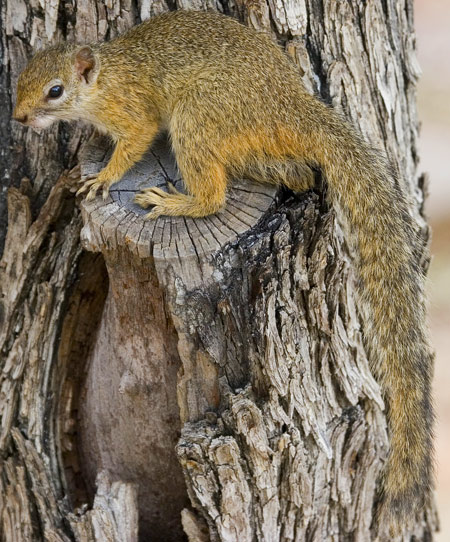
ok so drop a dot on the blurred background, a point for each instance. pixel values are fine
(433, 35)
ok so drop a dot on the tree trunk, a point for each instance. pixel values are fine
(199, 375)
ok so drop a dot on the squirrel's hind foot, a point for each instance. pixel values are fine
(174, 203)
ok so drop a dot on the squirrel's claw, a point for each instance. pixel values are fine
(141, 200)
(91, 194)
(150, 196)
(89, 177)
(153, 196)
(155, 190)
(156, 212)
(92, 184)
(81, 190)
(87, 181)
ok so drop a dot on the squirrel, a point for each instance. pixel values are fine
(234, 106)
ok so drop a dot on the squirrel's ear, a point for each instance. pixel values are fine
(86, 64)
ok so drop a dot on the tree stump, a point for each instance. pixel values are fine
(236, 336)
(129, 417)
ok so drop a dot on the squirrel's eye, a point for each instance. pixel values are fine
(55, 92)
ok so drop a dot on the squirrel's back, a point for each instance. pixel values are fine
(243, 71)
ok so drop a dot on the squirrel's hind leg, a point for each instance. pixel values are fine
(206, 187)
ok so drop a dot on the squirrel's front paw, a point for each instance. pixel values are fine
(92, 183)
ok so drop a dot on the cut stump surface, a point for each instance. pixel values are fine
(178, 241)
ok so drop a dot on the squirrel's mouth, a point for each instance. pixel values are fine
(41, 121)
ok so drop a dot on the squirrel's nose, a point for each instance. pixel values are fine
(21, 119)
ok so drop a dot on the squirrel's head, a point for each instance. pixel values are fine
(54, 84)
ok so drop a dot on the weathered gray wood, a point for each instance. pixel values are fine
(132, 369)
(114, 515)
(273, 373)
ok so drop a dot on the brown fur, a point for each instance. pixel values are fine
(234, 105)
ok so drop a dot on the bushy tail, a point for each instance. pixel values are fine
(375, 214)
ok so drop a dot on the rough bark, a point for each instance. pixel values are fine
(239, 336)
